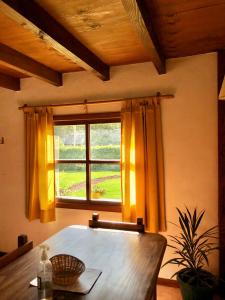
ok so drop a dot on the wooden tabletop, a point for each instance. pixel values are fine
(128, 261)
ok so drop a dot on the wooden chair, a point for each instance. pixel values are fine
(23, 247)
(96, 223)
(22, 240)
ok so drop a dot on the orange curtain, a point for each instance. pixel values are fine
(40, 189)
(142, 164)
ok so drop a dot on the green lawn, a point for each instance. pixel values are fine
(111, 186)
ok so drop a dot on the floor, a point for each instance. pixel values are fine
(168, 293)
(171, 293)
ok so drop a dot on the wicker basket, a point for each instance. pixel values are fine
(66, 269)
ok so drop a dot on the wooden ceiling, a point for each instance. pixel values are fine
(45, 38)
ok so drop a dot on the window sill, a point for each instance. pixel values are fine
(91, 205)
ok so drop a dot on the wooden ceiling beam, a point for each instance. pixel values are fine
(9, 82)
(28, 66)
(140, 16)
(30, 15)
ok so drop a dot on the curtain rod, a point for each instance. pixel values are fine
(87, 102)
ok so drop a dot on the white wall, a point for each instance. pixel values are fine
(189, 132)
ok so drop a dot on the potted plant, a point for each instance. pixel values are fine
(97, 191)
(191, 249)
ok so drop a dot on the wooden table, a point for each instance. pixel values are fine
(129, 263)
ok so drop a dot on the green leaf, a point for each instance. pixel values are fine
(190, 248)
(199, 218)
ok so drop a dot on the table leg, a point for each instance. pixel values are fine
(154, 296)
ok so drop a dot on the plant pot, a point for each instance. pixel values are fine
(96, 195)
(195, 292)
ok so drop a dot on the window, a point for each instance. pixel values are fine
(87, 156)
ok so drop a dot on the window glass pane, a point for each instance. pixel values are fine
(105, 182)
(70, 142)
(105, 141)
(71, 180)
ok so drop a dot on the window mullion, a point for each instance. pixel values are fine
(87, 127)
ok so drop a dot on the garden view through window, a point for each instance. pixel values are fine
(87, 159)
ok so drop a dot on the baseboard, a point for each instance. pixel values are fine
(167, 282)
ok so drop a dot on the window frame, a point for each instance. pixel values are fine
(87, 120)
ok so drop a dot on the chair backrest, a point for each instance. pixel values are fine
(96, 223)
(11, 256)
(22, 239)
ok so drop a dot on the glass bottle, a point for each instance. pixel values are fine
(44, 275)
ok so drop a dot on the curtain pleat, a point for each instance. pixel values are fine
(39, 140)
(142, 164)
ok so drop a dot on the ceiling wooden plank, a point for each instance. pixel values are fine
(188, 27)
(9, 82)
(30, 15)
(141, 19)
(28, 66)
